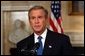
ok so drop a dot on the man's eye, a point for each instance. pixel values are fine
(32, 17)
(40, 17)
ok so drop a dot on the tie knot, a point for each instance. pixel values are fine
(39, 37)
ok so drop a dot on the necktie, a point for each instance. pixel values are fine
(40, 50)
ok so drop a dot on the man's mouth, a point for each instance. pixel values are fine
(37, 26)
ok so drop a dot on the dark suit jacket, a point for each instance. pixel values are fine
(60, 44)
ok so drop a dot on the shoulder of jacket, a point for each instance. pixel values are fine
(24, 40)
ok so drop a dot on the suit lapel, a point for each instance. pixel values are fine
(31, 41)
(47, 45)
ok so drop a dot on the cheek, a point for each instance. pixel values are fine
(31, 23)
(43, 23)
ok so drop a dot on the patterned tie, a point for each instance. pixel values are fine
(40, 50)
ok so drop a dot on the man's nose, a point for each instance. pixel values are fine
(36, 21)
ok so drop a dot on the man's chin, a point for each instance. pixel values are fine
(38, 31)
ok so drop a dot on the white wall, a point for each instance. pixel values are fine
(73, 25)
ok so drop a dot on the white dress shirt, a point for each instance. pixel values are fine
(43, 35)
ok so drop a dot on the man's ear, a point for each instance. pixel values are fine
(29, 20)
(47, 23)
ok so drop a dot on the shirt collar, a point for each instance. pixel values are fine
(43, 35)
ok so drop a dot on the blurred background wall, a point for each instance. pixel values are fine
(73, 25)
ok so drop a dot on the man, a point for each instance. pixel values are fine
(52, 43)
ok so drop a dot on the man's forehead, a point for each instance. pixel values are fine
(40, 11)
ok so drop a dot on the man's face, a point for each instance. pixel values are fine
(38, 20)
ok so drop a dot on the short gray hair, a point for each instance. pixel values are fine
(38, 7)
